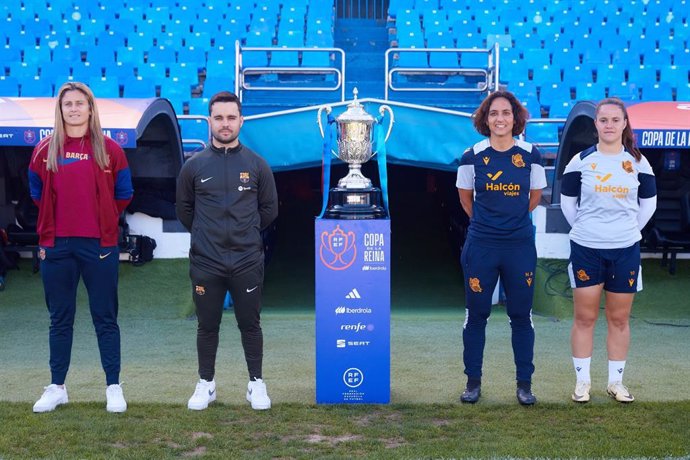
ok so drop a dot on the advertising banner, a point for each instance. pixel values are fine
(352, 260)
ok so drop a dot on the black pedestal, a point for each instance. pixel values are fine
(355, 204)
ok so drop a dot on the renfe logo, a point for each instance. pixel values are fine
(353, 327)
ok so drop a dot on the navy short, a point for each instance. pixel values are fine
(618, 269)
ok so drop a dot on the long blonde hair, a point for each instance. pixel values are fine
(57, 141)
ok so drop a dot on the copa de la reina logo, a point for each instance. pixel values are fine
(338, 250)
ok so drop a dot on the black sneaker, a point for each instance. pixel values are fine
(471, 396)
(525, 397)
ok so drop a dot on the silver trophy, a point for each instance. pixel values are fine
(355, 198)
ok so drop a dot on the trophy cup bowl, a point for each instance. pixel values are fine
(355, 197)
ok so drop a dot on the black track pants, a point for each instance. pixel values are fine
(209, 293)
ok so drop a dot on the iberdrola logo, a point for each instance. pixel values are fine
(338, 250)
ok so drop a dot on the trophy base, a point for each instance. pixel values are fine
(353, 204)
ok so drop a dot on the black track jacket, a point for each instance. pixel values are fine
(225, 197)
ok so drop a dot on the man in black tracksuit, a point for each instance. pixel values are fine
(226, 196)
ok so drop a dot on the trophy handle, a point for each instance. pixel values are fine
(328, 110)
(385, 108)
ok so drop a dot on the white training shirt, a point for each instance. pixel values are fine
(608, 187)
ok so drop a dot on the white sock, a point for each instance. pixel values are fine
(616, 369)
(581, 366)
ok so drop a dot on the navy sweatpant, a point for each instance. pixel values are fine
(246, 289)
(61, 268)
(482, 266)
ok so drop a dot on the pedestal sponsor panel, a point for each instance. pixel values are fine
(352, 311)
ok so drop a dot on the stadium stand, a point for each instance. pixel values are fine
(551, 53)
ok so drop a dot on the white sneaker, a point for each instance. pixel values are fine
(581, 393)
(257, 395)
(115, 399)
(619, 392)
(204, 394)
(52, 397)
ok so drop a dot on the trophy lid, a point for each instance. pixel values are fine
(355, 112)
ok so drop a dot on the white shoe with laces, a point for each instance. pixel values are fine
(204, 394)
(257, 395)
(619, 392)
(581, 393)
(115, 399)
(52, 397)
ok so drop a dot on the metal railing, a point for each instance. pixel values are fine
(489, 73)
(242, 72)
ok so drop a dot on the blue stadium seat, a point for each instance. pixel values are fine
(625, 57)
(554, 94)
(138, 88)
(36, 87)
(474, 60)
(150, 28)
(441, 59)
(198, 40)
(130, 55)
(213, 85)
(161, 54)
(178, 94)
(588, 91)
(610, 75)
(111, 40)
(191, 55)
(675, 75)
(9, 86)
(658, 58)
(227, 38)
(625, 91)
(264, 24)
(220, 67)
(83, 71)
(141, 40)
(66, 54)
(660, 91)
(100, 57)
(683, 93)
(397, 5)
(561, 109)
(22, 70)
(541, 132)
(531, 103)
(152, 71)
(547, 74)
(185, 72)
(513, 71)
(319, 37)
(411, 40)
(10, 54)
(105, 86)
(290, 38)
(503, 40)
(439, 39)
(424, 6)
(642, 74)
(284, 58)
(122, 71)
(596, 56)
(413, 58)
(258, 38)
(316, 59)
(408, 26)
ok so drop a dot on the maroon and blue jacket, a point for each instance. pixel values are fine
(113, 190)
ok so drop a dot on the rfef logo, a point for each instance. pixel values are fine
(353, 377)
(338, 250)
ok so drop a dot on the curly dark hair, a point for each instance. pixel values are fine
(520, 114)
